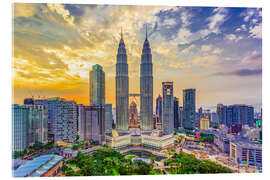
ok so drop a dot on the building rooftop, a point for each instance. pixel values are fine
(248, 143)
(37, 166)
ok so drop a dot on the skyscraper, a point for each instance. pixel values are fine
(20, 117)
(189, 103)
(146, 87)
(97, 85)
(62, 119)
(108, 118)
(159, 108)
(222, 114)
(168, 108)
(81, 121)
(250, 116)
(122, 88)
(38, 124)
(133, 115)
(176, 112)
(180, 116)
(95, 123)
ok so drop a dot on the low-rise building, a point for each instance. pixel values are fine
(43, 166)
(246, 152)
(204, 123)
(154, 140)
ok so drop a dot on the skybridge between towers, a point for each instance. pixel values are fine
(134, 95)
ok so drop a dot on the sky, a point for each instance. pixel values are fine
(216, 50)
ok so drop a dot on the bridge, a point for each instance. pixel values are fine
(90, 150)
(139, 148)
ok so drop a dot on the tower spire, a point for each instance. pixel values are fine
(121, 33)
(146, 32)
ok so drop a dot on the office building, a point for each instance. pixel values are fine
(62, 119)
(146, 88)
(20, 124)
(97, 85)
(222, 114)
(180, 110)
(189, 106)
(81, 122)
(159, 108)
(251, 116)
(95, 123)
(122, 88)
(38, 124)
(108, 118)
(176, 112)
(167, 108)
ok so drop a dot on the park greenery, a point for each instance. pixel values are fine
(107, 162)
(182, 163)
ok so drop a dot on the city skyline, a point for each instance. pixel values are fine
(195, 47)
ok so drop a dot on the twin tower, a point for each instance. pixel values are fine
(146, 88)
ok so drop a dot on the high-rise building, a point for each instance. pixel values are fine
(146, 88)
(159, 108)
(250, 116)
(62, 119)
(167, 108)
(189, 103)
(97, 85)
(95, 123)
(108, 118)
(180, 116)
(81, 122)
(37, 121)
(176, 112)
(214, 120)
(133, 115)
(233, 115)
(222, 114)
(38, 124)
(243, 113)
(20, 119)
(122, 88)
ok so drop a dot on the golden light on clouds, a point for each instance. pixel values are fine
(54, 49)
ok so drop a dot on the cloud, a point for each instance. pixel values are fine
(254, 58)
(24, 9)
(248, 14)
(60, 9)
(256, 31)
(240, 72)
(233, 37)
(217, 19)
(217, 51)
(206, 61)
(206, 48)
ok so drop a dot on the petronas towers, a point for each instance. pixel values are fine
(146, 88)
(122, 88)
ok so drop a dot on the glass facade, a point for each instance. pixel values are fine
(122, 88)
(168, 108)
(189, 106)
(146, 88)
(97, 85)
(20, 124)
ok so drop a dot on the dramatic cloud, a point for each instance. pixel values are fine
(55, 46)
(240, 72)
